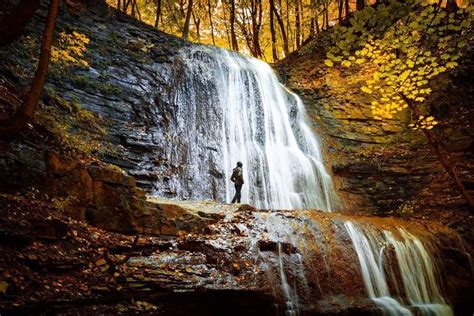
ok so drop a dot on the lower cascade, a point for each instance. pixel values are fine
(233, 108)
(328, 263)
(415, 284)
(302, 262)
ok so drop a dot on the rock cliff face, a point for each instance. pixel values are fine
(122, 76)
(383, 166)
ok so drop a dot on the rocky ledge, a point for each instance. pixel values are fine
(232, 257)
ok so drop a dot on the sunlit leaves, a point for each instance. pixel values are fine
(397, 49)
(70, 49)
(423, 122)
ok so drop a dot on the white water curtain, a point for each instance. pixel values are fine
(264, 126)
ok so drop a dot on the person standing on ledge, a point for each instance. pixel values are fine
(238, 179)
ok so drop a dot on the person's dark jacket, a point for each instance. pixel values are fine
(237, 176)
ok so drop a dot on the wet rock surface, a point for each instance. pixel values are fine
(264, 262)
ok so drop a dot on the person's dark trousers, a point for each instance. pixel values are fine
(236, 198)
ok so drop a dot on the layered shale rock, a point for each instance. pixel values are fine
(383, 166)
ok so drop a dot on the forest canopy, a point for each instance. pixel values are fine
(266, 29)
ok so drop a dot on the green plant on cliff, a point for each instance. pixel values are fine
(74, 127)
(69, 61)
(397, 50)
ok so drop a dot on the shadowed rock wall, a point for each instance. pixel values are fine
(383, 166)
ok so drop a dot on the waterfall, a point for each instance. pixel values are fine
(417, 289)
(232, 108)
(229, 108)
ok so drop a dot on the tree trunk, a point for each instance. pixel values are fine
(451, 5)
(26, 110)
(272, 30)
(282, 29)
(188, 19)
(323, 22)
(314, 28)
(125, 9)
(302, 23)
(209, 11)
(348, 9)
(289, 32)
(442, 157)
(256, 25)
(233, 36)
(243, 23)
(360, 4)
(197, 23)
(340, 6)
(326, 13)
(158, 13)
(297, 24)
(137, 10)
(14, 23)
(314, 14)
(227, 32)
(134, 2)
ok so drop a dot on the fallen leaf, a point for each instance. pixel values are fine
(3, 287)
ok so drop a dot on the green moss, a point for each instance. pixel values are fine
(110, 89)
(81, 81)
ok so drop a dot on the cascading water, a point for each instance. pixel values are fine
(244, 115)
(418, 282)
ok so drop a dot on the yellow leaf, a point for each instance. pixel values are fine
(366, 90)
(3, 287)
(328, 63)
(100, 262)
(451, 64)
(346, 63)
